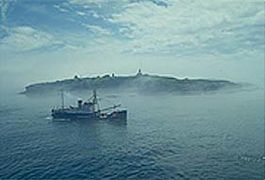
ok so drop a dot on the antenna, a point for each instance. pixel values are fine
(62, 98)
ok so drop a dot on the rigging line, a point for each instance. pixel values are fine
(107, 100)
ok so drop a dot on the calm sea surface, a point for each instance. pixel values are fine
(218, 136)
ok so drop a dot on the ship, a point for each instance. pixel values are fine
(88, 110)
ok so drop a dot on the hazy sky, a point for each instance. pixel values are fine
(53, 39)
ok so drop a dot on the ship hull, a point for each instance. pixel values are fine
(116, 115)
(70, 115)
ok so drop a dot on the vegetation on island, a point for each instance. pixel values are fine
(143, 83)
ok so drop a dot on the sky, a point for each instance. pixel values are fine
(45, 40)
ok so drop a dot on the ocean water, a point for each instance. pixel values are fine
(215, 136)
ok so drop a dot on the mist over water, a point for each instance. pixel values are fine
(218, 136)
(211, 135)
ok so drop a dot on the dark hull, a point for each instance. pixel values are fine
(67, 115)
(117, 115)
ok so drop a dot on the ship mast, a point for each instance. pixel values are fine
(95, 101)
(62, 99)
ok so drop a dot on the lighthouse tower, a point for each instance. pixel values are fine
(139, 73)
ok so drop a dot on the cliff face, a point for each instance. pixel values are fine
(138, 83)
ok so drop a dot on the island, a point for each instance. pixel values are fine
(140, 83)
